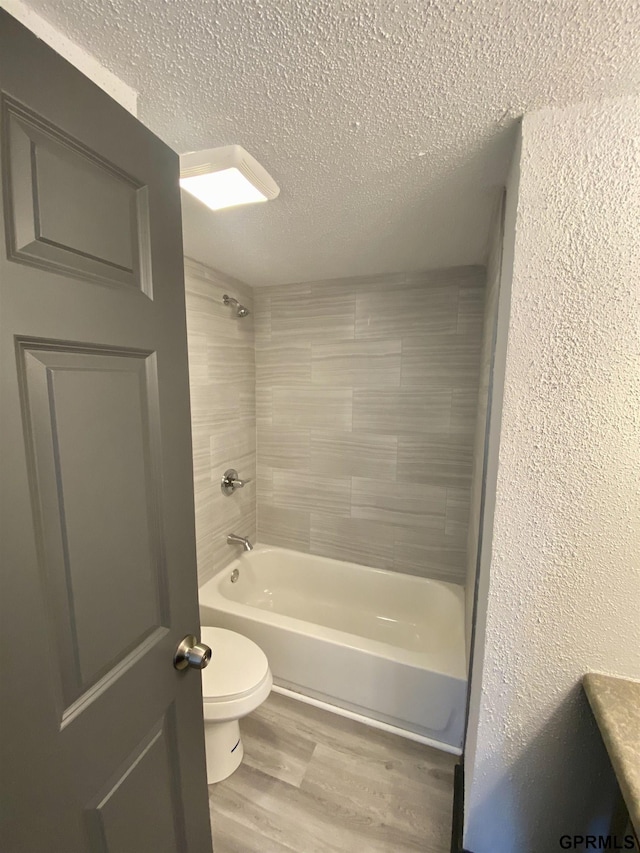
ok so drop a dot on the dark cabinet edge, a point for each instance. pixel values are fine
(457, 822)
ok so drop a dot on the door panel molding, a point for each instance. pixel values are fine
(143, 791)
(73, 711)
(71, 394)
(69, 210)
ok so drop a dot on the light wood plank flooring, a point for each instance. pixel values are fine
(314, 782)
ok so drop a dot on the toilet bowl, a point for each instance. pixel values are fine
(236, 681)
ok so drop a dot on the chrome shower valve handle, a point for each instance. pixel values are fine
(230, 482)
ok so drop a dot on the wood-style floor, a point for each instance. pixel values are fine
(314, 782)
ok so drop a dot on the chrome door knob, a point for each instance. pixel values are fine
(191, 653)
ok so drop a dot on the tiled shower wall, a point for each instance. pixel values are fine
(366, 397)
(222, 380)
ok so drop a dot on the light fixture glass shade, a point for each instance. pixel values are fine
(226, 188)
(226, 177)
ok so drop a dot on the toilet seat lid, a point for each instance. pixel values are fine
(237, 664)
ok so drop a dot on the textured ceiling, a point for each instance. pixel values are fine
(387, 125)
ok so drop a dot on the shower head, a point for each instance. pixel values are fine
(241, 311)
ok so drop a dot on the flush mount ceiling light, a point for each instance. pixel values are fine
(226, 177)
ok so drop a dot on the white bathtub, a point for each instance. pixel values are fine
(386, 647)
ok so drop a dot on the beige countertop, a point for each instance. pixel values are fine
(615, 703)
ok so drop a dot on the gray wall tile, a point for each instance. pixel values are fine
(284, 365)
(355, 540)
(264, 404)
(264, 485)
(403, 504)
(441, 360)
(398, 311)
(430, 554)
(235, 448)
(357, 454)
(464, 410)
(316, 316)
(357, 363)
(446, 275)
(198, 362)
(311, 492)
(231, 363)
(438, 459)
(288, 528)
(312, 407)
(211, 410)
(246, 392)
(223, 412)
(201, 460)
(457, 512)
(366, 395)
(262, 319)
(405, 410)
(284, 447)
(471, 302)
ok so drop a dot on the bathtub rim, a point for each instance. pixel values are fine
(422, 660)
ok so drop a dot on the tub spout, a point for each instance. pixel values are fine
(234, 539)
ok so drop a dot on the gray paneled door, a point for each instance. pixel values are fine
(102, 739)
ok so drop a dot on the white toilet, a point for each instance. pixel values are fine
(236, 681)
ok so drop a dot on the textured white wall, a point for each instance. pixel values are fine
(563, 592)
